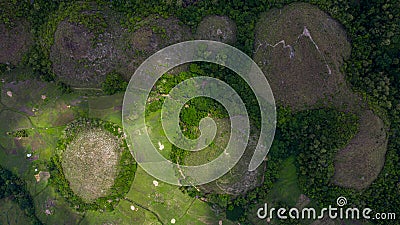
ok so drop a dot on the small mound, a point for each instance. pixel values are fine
(152, 34)
(14, 42)
(366, 164)
(217, 28)
(300, 56)
(85, 51)
(90, 163)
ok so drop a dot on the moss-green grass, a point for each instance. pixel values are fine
(168, 202)
(11, 213)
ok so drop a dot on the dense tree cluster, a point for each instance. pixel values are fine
(114, 83)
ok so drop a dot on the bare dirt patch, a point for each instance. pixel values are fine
(14, 42)
(217, 28)
(90, 163)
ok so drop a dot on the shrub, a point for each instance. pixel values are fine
(114, 83)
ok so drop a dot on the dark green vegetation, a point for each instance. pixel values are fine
(92, 185)
(13, 190)
(312, 136)
(114, 83)
(372, 69)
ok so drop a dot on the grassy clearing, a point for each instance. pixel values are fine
(285, 191)
(28, 95)
(11, 213)
(238, 180)
(58, 111)
(215, 149)
(157, 135)
(59, 211)
(12, 151)
(106, 107)
(168, 202)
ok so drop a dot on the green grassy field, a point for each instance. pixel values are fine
(11, 214)
(285, 191)
(153, 205)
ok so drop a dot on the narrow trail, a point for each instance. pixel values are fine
(86, 89)
(306, 33)
(145, 208)
(187, 210)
